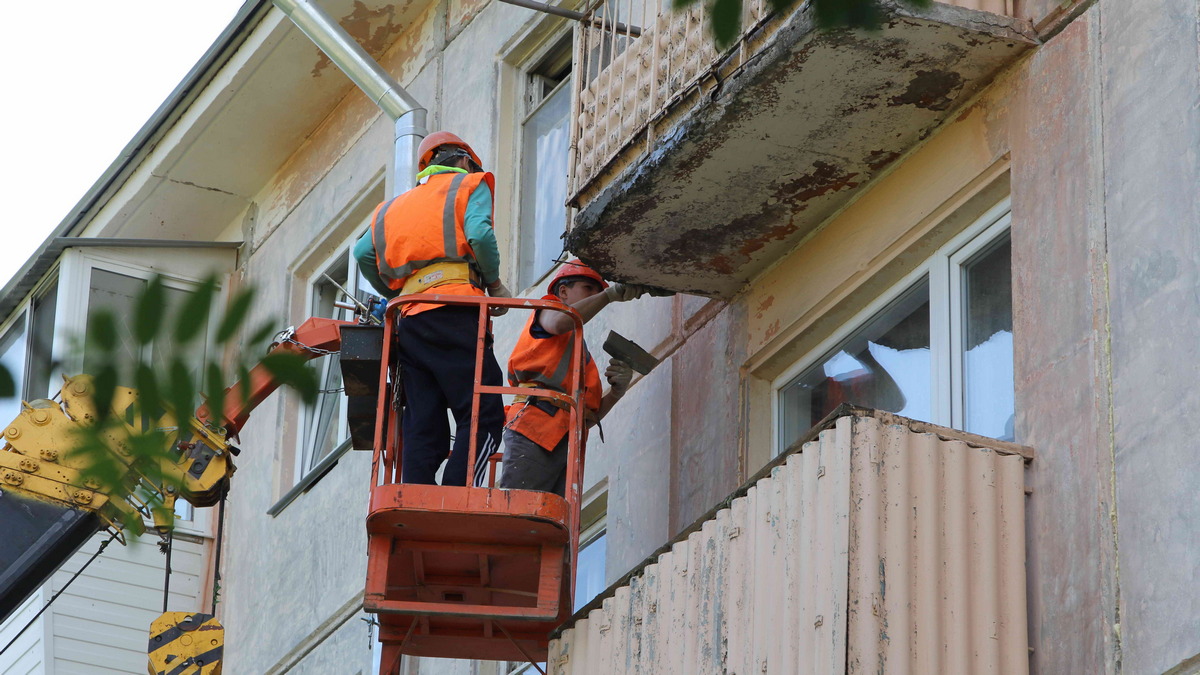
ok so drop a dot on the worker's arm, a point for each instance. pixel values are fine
(477, 224)
(619, 375)
(557, 323)
(364, 255)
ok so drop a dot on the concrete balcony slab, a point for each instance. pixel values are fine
(744, 169)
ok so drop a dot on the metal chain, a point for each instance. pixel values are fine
(220, 540)
(165, 547)
(315, 350)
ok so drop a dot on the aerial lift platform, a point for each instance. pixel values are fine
(469, 572)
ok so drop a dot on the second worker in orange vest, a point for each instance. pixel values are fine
(535, 436)
(438, 238)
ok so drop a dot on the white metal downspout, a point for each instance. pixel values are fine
(406, 112)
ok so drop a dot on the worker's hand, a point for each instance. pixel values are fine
(498, 290)
(619, 375)
(378, 307)
(624, 292)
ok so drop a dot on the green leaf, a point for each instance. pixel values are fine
(681, 4)
(235, 315)
(289, 370)
(181, 391)
(104, 387)
(848, 14)
(245, 387)
(726, 18)
(102, 330)
(264, 332)
(149, 396)
(8, 386)
(781, 5)
(148, 314)
(193, 314)
(215, 392)
(99, 463)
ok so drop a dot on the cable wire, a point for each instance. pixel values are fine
(103, 545)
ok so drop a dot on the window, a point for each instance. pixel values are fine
(545, 137)
(325, 428)
(938, 347)
(26, 350)
(12, 358)
(589, 569)
(38, 382)
(117, 292)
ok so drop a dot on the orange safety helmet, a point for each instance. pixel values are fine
(575, 268)
(436, 140)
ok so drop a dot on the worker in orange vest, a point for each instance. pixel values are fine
(535, 435)
(438, 238)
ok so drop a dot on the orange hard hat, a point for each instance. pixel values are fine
(576, 268)
(436, 140)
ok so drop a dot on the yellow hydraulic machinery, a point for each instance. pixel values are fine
(186, 643)
(50, 509)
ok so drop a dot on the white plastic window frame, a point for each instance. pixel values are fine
(22, 319)
(942, 268)
(71, 319)
(305, 464)
(525, 82)
(18, 322)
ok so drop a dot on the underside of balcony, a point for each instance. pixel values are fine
(777, 136)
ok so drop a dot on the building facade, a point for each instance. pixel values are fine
(981, 216)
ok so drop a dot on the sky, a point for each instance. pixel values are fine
(82, 79)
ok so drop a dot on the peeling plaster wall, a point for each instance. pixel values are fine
(1149, 67)
(1104, 163)
(1103, 190)
(1059, 352)
(288, 578)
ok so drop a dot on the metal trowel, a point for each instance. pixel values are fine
(620, 347)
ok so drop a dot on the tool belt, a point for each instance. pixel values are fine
(522, 398)
(441, 274)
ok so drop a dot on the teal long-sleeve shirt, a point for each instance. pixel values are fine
(477, 224)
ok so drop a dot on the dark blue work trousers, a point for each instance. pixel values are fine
(437, 369)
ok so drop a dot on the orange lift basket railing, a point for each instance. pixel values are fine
(469, 572)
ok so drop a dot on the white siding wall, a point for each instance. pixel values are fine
(100, 625)
(26, 655)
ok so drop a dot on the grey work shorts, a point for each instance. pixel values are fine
(527, 466)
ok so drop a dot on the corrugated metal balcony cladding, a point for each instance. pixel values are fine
(882, 546)
(695, 169)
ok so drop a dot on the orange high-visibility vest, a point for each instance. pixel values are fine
(425, 226)
(546, 364)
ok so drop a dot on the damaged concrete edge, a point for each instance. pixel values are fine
(696, 119)
(976, 20)
(829, 422)
(794, 29)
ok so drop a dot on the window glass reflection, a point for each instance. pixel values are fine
(12, 357)
(544, 183)
(589, 571)
(884, 365)
(988, 342)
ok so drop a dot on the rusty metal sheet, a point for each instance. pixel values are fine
(881, 546)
